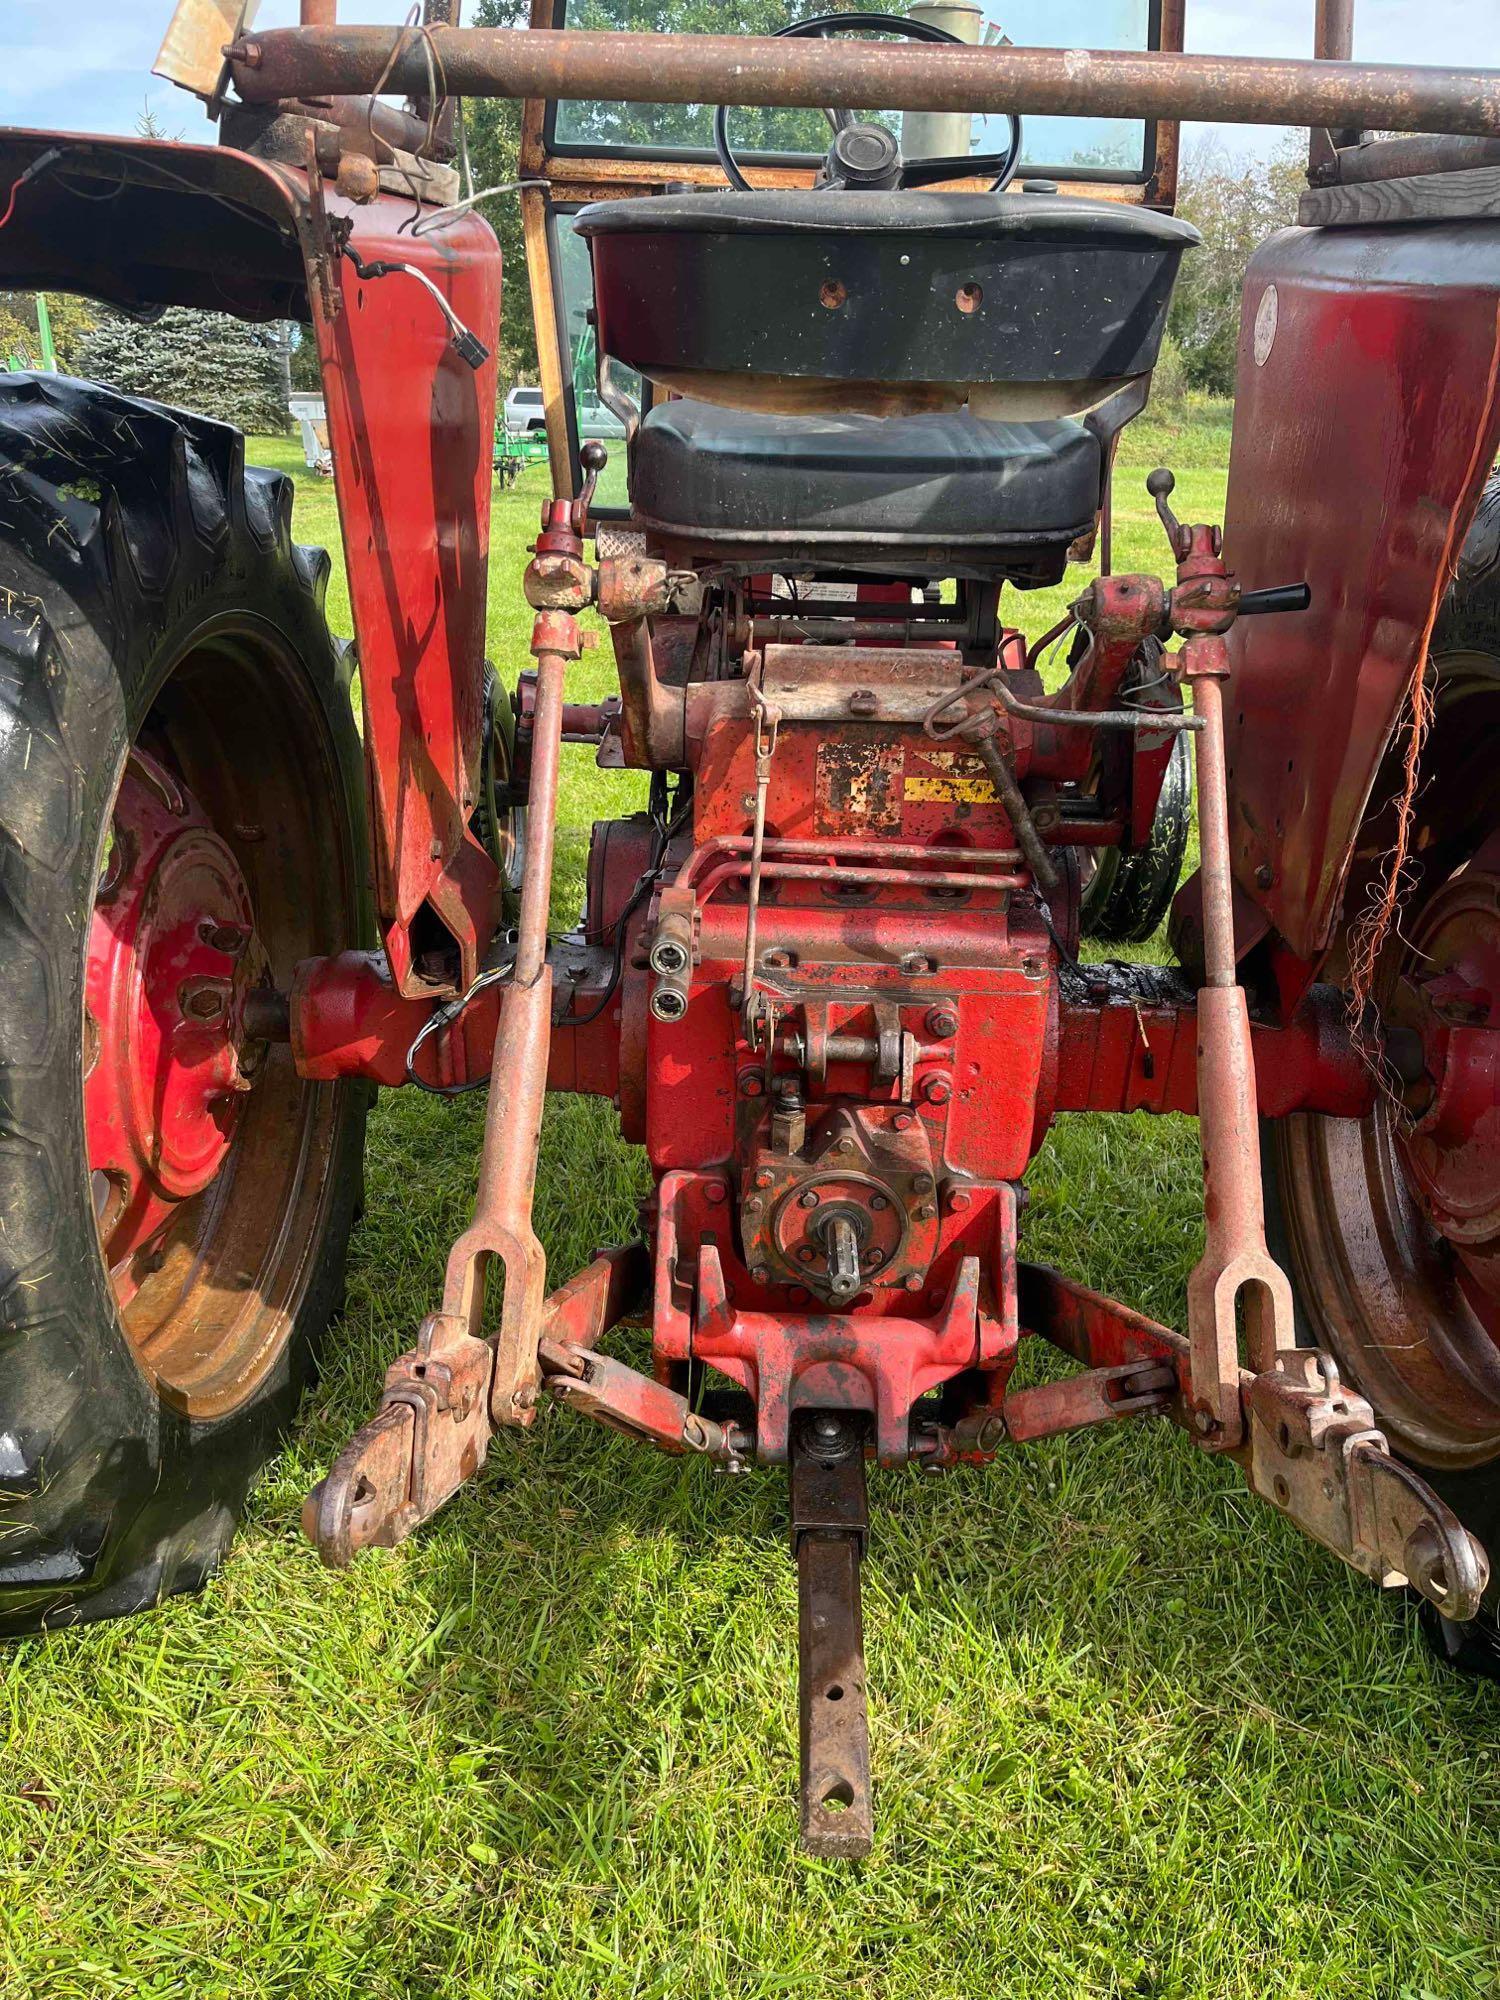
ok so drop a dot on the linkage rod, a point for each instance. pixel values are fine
(850, 75)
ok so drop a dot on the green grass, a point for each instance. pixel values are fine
(1133, 1736)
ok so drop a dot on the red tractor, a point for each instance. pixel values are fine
(865, 374)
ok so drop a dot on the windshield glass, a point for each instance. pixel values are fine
(1108, 147)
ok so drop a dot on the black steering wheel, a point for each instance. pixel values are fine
(913, 173)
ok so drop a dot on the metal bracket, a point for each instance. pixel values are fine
(829, 1522)
(620, 1396)
(1316, 1454)
(433, 1428)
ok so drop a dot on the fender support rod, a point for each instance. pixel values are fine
(763, 69)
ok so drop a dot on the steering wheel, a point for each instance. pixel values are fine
(913, 173)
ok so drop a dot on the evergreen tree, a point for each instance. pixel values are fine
(200, 361)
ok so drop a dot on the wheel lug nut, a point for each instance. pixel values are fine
(231, 939)
(203, 999)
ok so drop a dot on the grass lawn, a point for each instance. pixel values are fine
(1133, 1736)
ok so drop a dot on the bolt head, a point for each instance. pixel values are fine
(902, 1121)
(922, 1183)
(764, 1178)
(878, 1202)
(761, 1275)
(752, 1083)
(942, 1022)
(808, 1200)
(913, 1283)
(937, 1090)
(714, 1192)
(204, 1000)
(959, 1200)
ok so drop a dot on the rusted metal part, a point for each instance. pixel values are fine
(192, 50)
(653, 716)
(430, 1434)
(1136, 1388)
(614, 1287)
(750, 69)
(623, 1399)
(1309, 1447)
(1009, 793)
(1097, 1396)
(502, 1227)
(1333, 41)
(1316, 1454)
(433, 1428)
(1236, 1277)
(830, 1519)
(1094, 1329)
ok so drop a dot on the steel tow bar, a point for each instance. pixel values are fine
(829, 1523)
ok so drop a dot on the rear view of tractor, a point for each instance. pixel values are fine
(828, 391)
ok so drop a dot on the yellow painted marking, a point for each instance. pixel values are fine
(949, 778)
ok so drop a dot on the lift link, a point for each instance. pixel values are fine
(619, 1396)
(1311, 1448)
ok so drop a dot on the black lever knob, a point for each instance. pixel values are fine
(1279, 597)
(1159, 485)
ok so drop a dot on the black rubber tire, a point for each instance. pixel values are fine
(1468, 625)
(498, 822)
(124, 528)
(1127, 895)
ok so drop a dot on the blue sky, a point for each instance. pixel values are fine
(85, 64)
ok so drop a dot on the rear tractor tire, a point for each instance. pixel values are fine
(1389, 1226)
(180, 823)
(1126, 895)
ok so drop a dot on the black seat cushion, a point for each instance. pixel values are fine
(701, 473)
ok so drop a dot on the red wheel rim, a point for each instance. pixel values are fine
(223, 863)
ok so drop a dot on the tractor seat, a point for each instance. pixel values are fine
(1024, 306)
(939, 494)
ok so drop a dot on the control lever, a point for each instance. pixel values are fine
(1276, 597)
(593, 458)
(1159, 484)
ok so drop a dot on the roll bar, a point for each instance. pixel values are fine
(1336, 95)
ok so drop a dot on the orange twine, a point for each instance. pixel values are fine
(1371, 929)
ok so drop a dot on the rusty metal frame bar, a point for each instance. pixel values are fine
(761, 69)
